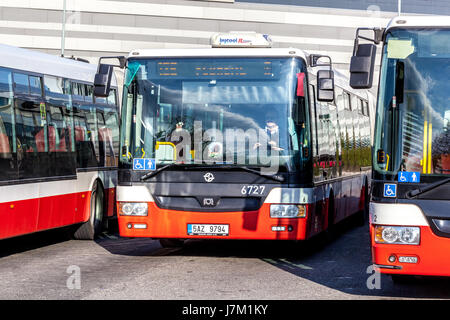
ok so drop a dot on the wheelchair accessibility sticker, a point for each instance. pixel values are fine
(412, 177)
(390, 190)
(144, 164)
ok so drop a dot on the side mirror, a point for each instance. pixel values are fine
(102, 80)
(325, 78)
(325, 85)
(362, 65)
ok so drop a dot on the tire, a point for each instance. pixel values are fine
(171, 243)
(363, 215)
(92, 228)
(331, 227)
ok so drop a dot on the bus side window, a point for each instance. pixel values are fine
(32, 138)
(6, 85)
(112, 100)
(8, 166)
(103, 139)
(112, 124)
(35, 85)
(83, 145)
(89, 94)
(21, 85)
(313, 118)
(56, 100)
(77, 91)
(366, 109)
(347, 101)
(59, 126)
(92, 133)
(5, 146)
(342, 118)
(6, 120)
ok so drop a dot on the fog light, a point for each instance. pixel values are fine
(129, 226)
(392, 258)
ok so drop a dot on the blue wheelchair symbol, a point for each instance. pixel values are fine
(390, 190)
(402, 176)
(412, 177)
(138, 164)
(144, 164)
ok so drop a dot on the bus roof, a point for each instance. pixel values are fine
(419, 21)
(43, 63)
(218, 52)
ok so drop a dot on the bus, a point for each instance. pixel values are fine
(409, 206)
(58, 145)
(238, 141)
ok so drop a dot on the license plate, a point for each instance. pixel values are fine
(208, 229)
(408, 259)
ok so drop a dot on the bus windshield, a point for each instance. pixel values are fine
(234, 111)
(413, 113)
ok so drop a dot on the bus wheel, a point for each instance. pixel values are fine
(363, 215)
(331, 226)
(171, 243)
(92, 228)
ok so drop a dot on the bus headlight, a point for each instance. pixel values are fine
(133, 209)
(287, 211)
(397, 235)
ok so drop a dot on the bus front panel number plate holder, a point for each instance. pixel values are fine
(208, 229)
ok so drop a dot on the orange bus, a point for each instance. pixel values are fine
(409, 215)
(238, 141)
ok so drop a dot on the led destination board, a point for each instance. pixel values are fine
(216, 69)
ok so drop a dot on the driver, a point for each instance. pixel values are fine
(272, 131)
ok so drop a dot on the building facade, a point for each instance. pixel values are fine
(96, 28)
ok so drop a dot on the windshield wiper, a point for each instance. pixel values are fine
(275, 177)
(418, 191)
(172, 165)
(153, 173)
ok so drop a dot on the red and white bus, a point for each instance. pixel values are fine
(409, 208)
(238, 142)
(58, 145)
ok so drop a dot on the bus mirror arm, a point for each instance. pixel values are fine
(378, 34)
(122, 61)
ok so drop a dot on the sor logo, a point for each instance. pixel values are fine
(209, 177)
(208, 202)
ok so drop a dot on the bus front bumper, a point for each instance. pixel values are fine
(430, 257)
(162, 223)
